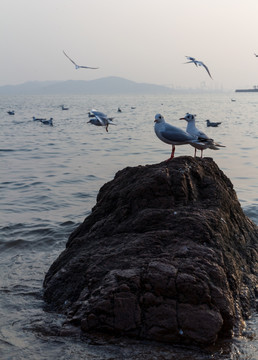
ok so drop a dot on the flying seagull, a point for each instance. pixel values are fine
(255, 55)
(197, 63)
(173, 135)
(79, 66)
(204, 141)
(100, 119)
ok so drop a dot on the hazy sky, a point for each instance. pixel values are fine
(141, 40)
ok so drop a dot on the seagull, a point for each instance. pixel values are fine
(204, 141)
(79, 66)
(255, 55)
(213, 124)
(47, 122)
(197, 63)
(100, 119)
(173, 135)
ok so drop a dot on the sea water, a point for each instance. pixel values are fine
(49, 180)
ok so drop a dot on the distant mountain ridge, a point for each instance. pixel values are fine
(106, 85)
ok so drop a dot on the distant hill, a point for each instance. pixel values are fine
(107, 85)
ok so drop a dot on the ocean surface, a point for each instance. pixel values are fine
(49, 180)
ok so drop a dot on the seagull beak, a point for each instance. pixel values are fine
(182, 119)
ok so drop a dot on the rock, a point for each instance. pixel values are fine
(166, 254)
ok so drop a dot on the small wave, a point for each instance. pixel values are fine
(92, 177)
(36, 183)
(67, 223)
(17, 150)
(252, 212)
(81, 195)
(12, 227)
(18, 244)
(7, 182)
(69, 181)
(7, 150)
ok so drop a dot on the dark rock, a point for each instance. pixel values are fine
(167, 254)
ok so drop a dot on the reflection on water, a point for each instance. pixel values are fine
(49, 180)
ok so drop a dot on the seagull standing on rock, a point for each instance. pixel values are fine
(205, 141)
(173, 135)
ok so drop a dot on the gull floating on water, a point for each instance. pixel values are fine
(213, 124)
(79, 66)
(204, 141)
(197, 63)
(100, 119)
(47, 122)
(173, 135)
(44, 121)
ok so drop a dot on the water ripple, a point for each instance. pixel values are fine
(49, 181)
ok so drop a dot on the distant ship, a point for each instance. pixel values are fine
(254, 89)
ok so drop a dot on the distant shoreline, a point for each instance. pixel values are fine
(111, 85)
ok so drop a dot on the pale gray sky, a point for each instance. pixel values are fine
(141, 40)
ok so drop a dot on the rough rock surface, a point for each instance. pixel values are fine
(166, 254)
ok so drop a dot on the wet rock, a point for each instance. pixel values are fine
(166, 254)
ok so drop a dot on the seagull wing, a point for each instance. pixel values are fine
(192, 60)
(188, 62)
(202, 64)
(101, 120)
(201, 135)
(175, 134)
(70, 59)
(87, 67)
(98, 113)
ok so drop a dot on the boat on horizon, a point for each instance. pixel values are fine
(254, 89)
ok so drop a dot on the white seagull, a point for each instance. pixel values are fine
(173, 135)
(100, 119)
(79, 66)
(197, 63)
(204, 141)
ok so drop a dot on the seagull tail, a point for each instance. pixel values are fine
(219, 145)
(213, 147)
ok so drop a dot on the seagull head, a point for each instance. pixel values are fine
(188, 117)
(159, 118)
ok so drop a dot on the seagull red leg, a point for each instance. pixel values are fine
(172, 153)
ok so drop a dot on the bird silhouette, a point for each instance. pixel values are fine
(79, 66)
